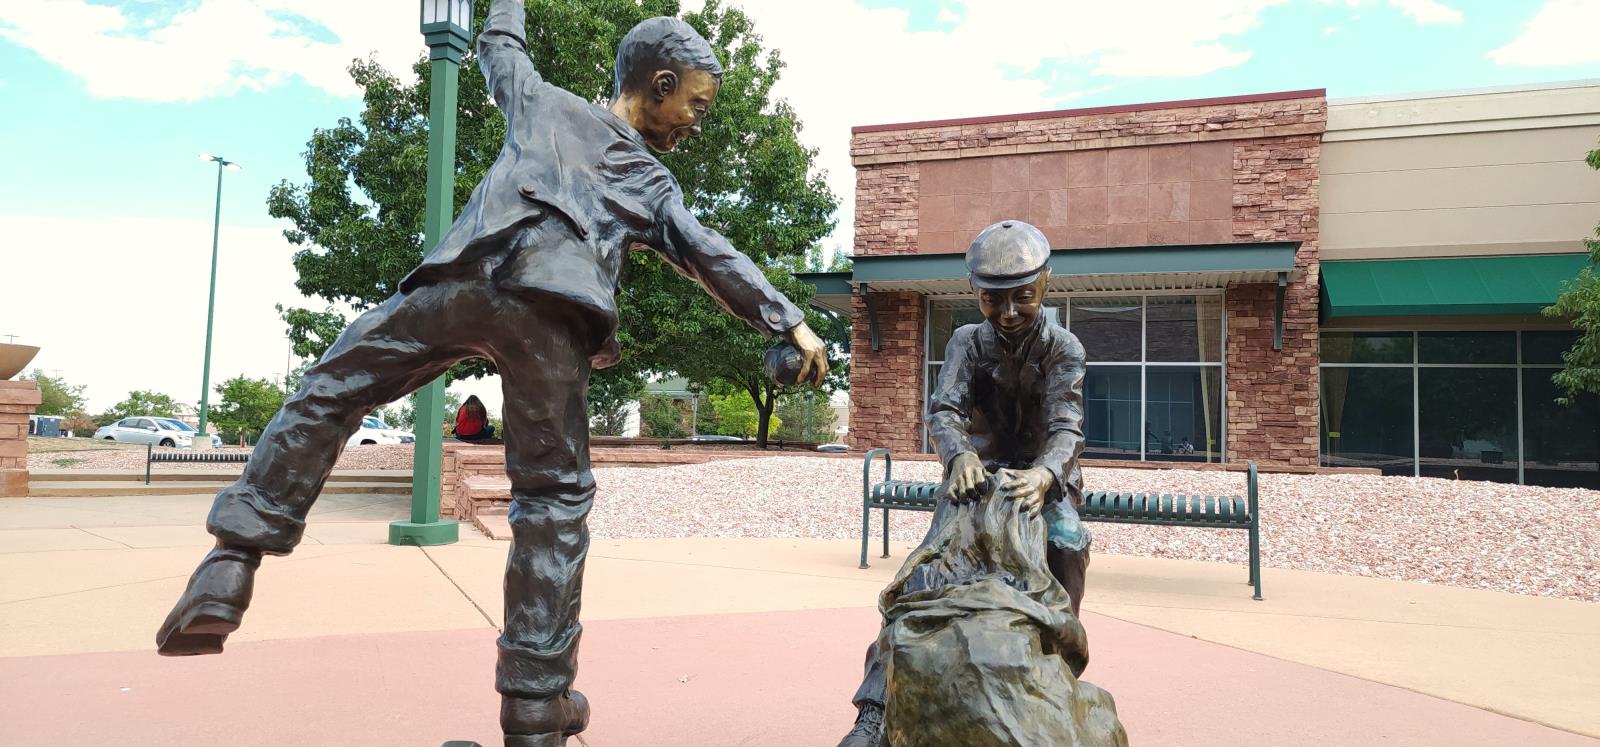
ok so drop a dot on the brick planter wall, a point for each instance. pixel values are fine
(18, 400)
(1242, 169)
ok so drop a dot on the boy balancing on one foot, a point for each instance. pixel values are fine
(1006, 416)
(526, 277)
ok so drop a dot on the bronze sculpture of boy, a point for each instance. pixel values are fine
(526, 276)
(1006, 418)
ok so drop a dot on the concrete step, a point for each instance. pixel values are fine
(78, 475)
(87, 488)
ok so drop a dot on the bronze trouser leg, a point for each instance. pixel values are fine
(547, 458)
(384, 354)
(1070, 567)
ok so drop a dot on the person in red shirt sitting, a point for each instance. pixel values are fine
(472, 421)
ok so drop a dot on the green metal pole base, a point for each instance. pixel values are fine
(441, 532)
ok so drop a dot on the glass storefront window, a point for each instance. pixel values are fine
(1546, 347)
(1108, 327)
(1467, 423)
(1366, 419)
(1466, 347)
(1183, 328)
(944, 319)
(1562, 441)
(1111, 412)
(1183, 413)
(1366, 347)
(1170, 408)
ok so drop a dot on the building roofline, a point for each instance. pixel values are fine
(1092, 110)
(1456, 92)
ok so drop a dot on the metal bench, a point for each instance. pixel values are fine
(1104, 506)
(151, 456)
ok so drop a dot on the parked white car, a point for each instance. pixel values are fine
(374, 431)
(152, 430)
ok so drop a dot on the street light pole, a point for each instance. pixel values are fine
(202, 440)
(446, 25)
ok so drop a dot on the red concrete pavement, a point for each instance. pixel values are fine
(781, 678)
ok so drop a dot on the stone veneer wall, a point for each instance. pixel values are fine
(886, 386)
(1274, 395)
(1240, 169)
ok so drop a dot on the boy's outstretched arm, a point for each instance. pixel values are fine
(738, 285)
(503, 57)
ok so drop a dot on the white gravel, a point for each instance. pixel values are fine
(1513, 538)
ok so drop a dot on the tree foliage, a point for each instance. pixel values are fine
(805, 416)
(57, 397)
(1580, 301)
(660, 417)
(724, 356)
(358, 220)
(246, 406)
(141, 402)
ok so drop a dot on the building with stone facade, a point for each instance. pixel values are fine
(1275, 277)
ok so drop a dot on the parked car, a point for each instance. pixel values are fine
(832, 448)
(374, 431)
(712, 438)
(152, 430)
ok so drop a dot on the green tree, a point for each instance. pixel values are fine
(660, 417)
(737, 415)
(806, 416)
(358, 221)
(246, 406)
(405, 412)
(1580, 302)
(141, 402)
(609, 397)
(58, 398)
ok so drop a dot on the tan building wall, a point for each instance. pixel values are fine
(1459, 174)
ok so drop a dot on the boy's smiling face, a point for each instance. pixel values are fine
(1014, 310)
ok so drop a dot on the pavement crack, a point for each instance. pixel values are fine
(481, 611)
(101, 536)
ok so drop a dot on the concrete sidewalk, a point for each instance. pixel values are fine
(84, 582)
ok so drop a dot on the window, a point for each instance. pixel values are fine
(1153, 388)
(1457, 404)
(372, 422)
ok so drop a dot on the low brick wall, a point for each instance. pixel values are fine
(18, 400)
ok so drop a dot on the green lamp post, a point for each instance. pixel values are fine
(202, 440)
(447, 27)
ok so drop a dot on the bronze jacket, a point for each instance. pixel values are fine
(573, 189)
(1014, 405)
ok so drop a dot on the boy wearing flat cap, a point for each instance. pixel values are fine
(1007, 417)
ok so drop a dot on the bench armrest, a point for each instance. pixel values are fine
(866, 470)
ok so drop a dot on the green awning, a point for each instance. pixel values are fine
(1448, 286)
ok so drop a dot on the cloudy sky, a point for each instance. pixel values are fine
(106, 212)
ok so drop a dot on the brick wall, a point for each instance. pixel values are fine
(896, 168)
(886, 386)
(18, 399)
(1273, 396)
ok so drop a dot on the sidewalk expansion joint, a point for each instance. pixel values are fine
(486, 617)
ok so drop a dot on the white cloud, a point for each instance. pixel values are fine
(1428, 11)
(215, 48)
(1559, 34)
(118, 304)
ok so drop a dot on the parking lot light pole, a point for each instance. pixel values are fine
(202, 439)
(446, 25)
